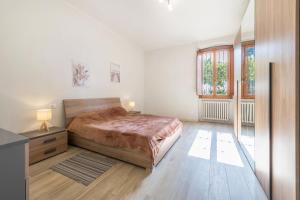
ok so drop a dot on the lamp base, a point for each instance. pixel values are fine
(44, 126)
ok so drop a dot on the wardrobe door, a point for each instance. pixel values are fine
(262, 112)
(277, 38)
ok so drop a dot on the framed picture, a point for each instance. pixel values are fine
(115, 73)
(81, 75)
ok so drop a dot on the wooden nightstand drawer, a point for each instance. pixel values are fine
(43, 144)
(47, 152)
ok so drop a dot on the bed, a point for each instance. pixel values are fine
(103, 126)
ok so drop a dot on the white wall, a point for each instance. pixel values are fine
(39, 39)
(170, 79)
(170, 82)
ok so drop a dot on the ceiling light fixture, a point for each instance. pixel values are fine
(170, 6)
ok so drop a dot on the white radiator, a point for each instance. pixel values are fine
(215, 110)
(248, 112)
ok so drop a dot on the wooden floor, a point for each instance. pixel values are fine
(205, 163)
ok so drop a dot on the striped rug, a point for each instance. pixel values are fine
(84, 167)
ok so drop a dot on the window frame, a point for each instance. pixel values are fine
(244, 88)
(230, 70)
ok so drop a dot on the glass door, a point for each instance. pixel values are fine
(246, 134)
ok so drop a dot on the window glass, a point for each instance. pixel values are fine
(207, 63)
(250, 76)
(222, 70)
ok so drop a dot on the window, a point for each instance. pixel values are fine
(215, 72)
(248, 70)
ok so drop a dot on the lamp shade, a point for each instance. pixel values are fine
(44, 115)
(131, 104)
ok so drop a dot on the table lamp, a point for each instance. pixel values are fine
(131, 105)
(44, 115)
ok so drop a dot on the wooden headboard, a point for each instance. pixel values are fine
(74, 107)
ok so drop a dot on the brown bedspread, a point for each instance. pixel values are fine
(116, 128)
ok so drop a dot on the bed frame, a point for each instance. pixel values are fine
(73, 107)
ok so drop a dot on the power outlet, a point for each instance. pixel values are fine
(53, 106)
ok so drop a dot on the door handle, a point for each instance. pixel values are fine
(271, 67)
(50, 140)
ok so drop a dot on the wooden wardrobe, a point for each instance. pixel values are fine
(277, 124)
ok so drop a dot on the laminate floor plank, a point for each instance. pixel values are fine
(205, 163)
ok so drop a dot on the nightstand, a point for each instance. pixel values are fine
(134, 112)
(45, 144)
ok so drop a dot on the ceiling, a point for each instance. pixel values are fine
(151, 25)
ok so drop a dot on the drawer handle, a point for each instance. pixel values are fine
(49, 140)
(50, 151)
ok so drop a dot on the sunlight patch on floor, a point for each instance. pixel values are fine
(227, 151)
(201, 145)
